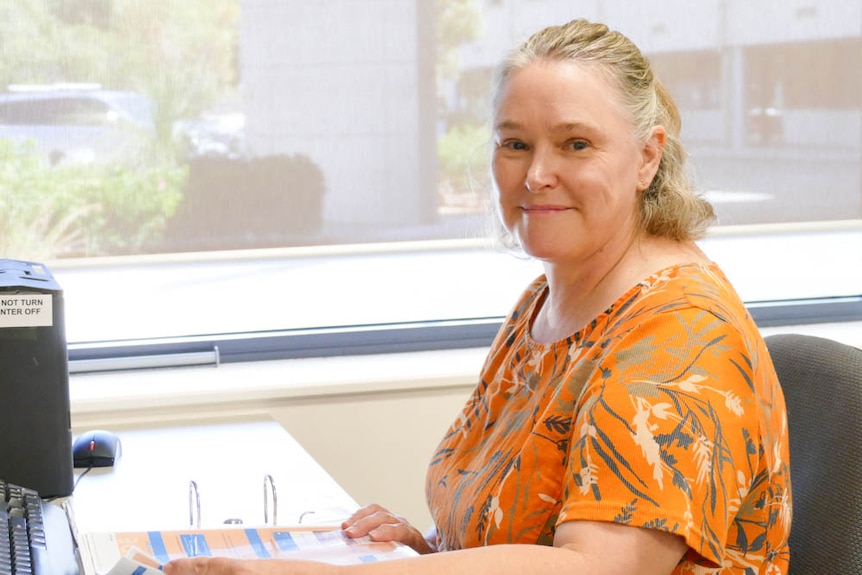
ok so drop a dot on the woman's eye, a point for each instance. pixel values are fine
(515, 145)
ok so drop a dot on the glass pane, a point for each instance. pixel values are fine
(188, 167)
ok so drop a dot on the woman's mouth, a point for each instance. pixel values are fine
(544, 209)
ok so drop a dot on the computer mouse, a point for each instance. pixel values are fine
(96, 448)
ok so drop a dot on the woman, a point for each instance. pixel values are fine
(628, 418)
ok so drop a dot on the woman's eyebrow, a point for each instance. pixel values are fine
(562, 127)
(507, 125)
(565, 127)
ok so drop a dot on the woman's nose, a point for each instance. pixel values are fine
(540, 173)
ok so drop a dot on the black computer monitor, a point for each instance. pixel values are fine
(35, 423)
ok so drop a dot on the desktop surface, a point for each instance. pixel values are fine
(234, 467)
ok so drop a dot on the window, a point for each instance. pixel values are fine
(267, 170)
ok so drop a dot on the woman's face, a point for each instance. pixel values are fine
(567, 166)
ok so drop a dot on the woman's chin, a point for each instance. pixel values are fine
(545, 252)
(567, 249)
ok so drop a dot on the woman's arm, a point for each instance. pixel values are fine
(580, 547)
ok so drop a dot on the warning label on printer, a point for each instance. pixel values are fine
(26, 310)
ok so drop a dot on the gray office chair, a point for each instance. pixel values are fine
(822, 383)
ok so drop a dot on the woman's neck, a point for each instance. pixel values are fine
(577, 295)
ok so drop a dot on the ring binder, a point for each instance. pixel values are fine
(269, 493)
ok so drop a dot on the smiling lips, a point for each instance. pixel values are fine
(532, 209)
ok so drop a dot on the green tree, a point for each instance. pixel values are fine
(28, 42)
(461, 150)
(180, 53)
(458, 22)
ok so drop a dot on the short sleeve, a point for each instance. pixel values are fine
(663, 433)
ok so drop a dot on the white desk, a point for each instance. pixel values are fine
(148, 487)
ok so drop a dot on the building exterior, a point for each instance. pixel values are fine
(356, 97)
(770, 94)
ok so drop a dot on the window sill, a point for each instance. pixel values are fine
(253, 388)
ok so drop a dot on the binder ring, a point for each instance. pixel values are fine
(269, 486)
(303, 514)
(194, 505)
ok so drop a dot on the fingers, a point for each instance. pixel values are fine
(401, 532)
(380, 524)
(368, 519)
(362, 513)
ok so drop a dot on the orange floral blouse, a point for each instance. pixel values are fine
(664, 413)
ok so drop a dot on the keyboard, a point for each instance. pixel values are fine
(39, 539)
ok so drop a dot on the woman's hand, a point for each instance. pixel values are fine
(382, 525)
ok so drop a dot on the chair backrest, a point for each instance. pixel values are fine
(822, 383)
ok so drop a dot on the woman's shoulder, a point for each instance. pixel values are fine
(700, 287)
(697, 280)
(706, 285)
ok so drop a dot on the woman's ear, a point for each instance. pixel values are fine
(651, 153)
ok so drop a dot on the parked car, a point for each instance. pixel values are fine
(77, 124)
(212, 134)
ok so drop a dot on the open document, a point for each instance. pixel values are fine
(145, 552)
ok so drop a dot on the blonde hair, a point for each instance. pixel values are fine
(668, 208)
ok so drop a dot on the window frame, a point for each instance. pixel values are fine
(382, 338)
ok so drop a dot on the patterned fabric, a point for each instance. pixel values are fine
(663, 413)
